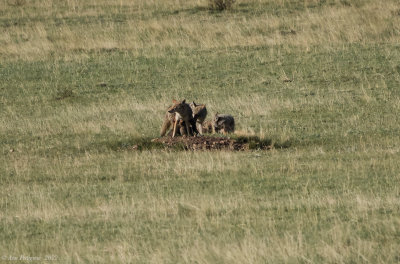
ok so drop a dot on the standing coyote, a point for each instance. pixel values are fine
(225, 123)
(199, 114)
(169, 120)
(179, 112)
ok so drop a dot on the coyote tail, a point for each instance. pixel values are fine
(165, 126)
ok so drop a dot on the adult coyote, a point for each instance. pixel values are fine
(179, 114)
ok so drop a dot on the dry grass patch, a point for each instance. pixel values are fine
(123, 25)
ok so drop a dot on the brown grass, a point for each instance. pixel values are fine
(176, 27)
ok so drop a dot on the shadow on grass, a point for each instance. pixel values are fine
(105, 144)
(258, 143)
(134, 144)
(141, 144)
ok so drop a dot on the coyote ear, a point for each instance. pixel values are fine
(184, 100)
(174, 101)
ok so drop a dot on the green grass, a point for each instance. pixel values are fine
(83, 83)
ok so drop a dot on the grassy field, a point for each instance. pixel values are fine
(81, 82)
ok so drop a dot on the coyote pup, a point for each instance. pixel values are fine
(208, 127)
(225, 123)
(179, 111)
(199, 114)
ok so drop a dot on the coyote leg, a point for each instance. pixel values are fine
(173, 133)
(200, 128)
(187, 128)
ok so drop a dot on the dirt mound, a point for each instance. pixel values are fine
(209, 143)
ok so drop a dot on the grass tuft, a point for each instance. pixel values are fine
(17, 3)
(64, 94)
(134, 143)
(220, 5)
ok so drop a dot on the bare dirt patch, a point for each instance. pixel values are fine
(213, 143)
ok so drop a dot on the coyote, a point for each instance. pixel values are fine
(225, 123)
(169, 120)
(208, 127)
(179, 112)
(199, 114)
